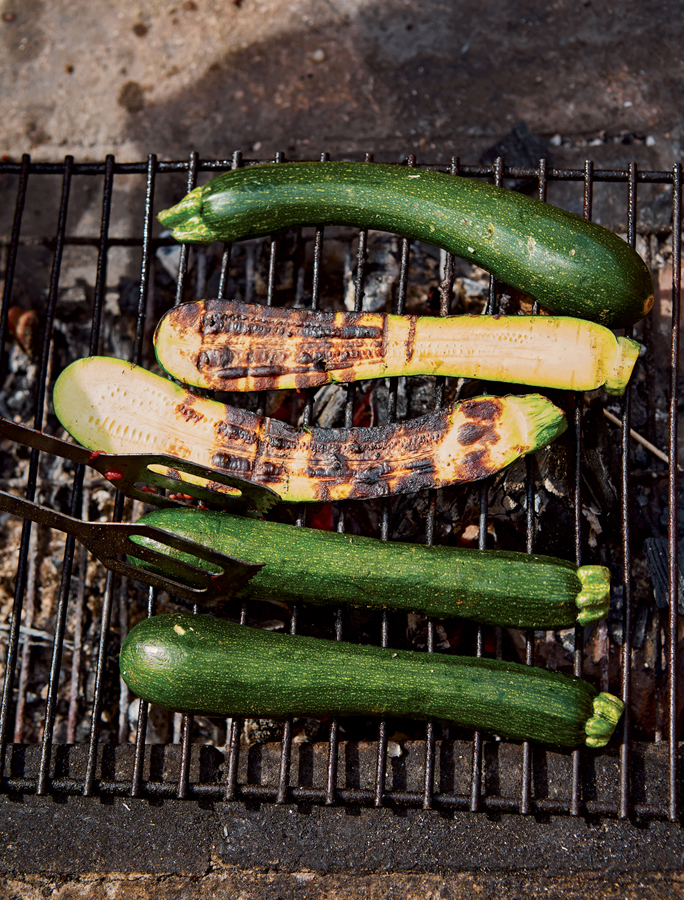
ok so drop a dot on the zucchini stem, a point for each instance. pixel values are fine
(593, 601)
(600, 727)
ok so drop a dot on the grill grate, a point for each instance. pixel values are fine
(232, 783)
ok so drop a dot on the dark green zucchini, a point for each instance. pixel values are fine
(324, 567)
(114, 406)
(573, 267)
(199, 664)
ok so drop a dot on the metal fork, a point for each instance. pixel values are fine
(110, 542)
(133, 475)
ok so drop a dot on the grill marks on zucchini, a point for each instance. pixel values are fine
(199, 664)
(517, 590)
(570, 265)
(228, 345)
(116, 407)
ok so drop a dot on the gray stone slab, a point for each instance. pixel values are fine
(380, 75)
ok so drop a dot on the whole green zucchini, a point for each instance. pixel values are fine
(116, 407)
(573, 267)
(225, 345)
(494, 587)
(199, 664)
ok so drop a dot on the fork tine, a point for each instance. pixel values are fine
(207, 485)
(233, 573)
(106, 540)
(127, 470)
(195, 595)
(206, 595)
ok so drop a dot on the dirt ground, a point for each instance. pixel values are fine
(237, 885)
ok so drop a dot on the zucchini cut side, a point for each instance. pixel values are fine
(517, 590)
(572, 266)
(227, 345)
(117, 407)
(199, 664)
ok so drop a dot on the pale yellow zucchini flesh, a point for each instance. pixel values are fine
(232, 346)
(116, 407)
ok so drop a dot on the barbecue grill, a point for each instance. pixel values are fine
(334, 794)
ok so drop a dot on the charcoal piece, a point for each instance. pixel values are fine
(638, 411)
(658, 562)
(640, 626)
(309, 728)
(567, 637)
(379, 397)
(616, 628)
(69, 341)
(117, 337)
(417, 634)
(410, 513)
(129, 296)
(555, 466)
(401, 398)
(328, 406)
(601, 460)
(380, 275)
(556, 525)
(261, 731)
(20, 385)
(519, 148)
(74, 300)
(420, 396)
(515, 479)
(6, 414)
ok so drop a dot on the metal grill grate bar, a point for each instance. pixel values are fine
(219, 165)
(626, 549)
(107, 600)
(673, 661)
(150, 182)
(76, 498)
(13, 638)
(32, 481)
(187, 720)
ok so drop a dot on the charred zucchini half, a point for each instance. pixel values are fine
(117, 407)
(225, 345)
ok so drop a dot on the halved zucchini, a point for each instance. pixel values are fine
(113, 406)
(225, 345)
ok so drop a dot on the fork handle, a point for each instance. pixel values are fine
(43, 515)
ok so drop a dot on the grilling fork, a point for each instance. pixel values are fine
(110, 542)
(128, 470)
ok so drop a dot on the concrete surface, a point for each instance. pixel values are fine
(346, 76)
(68, 846)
